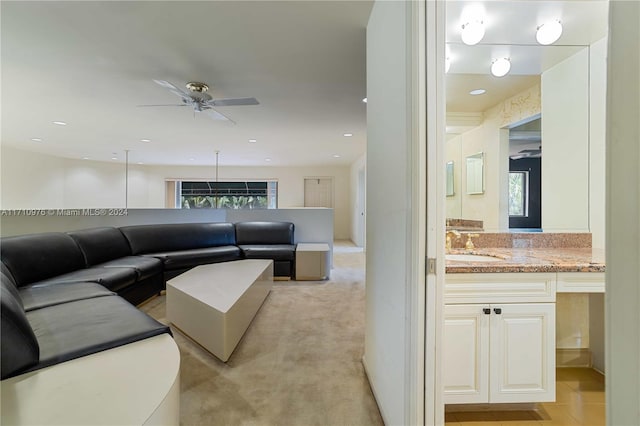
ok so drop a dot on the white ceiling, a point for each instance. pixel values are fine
(91, 63)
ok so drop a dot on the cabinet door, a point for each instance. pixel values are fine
(466, 354)
(522, 353)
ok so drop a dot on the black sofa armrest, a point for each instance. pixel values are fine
(19, 347)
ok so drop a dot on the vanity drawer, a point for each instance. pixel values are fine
(580, 282)
(500, 288)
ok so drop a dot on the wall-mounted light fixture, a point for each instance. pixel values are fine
(472, 32)
(549, 32)
(500, 67)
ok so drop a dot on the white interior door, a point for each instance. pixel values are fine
(318, 192)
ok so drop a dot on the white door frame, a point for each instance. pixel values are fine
(434, 112)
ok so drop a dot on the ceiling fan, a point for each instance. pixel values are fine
(198, 99)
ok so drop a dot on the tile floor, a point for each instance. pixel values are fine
(580, 400)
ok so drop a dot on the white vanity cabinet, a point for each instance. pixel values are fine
(499, 338)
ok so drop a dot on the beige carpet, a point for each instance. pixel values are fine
(299, 363)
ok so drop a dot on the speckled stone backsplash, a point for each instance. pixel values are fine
(525, 240)
(465, 224)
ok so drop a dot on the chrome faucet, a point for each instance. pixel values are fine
(451, 233)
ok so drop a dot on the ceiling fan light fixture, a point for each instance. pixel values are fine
(500, 67)
(549, 32)
(472, 32)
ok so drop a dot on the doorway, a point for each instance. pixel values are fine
(318, 192)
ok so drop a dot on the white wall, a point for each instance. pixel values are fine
(357, 167)
(565, 145)
(622, 299)
(389, 208)
(32, 180)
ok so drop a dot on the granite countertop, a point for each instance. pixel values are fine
(530, 260)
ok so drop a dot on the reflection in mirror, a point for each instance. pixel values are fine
(475, 166)
(450, 190)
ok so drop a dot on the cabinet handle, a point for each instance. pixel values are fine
(486, 311)
(498, 311)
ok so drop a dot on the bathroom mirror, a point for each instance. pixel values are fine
(475, 167)
(450, 190)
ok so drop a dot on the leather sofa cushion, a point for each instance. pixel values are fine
(75, 329)
(33, 258)
(39, 296)
(180, 236)
(99, 245)
(144, 266)
(273, 251)
(188, 258)
(250, 233)
(114, 279)
(19, 348)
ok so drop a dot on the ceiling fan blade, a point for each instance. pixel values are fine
(216, 115)
(172, 88)
(233, 102)
(164, 105)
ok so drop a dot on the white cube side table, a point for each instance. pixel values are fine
(312, 261)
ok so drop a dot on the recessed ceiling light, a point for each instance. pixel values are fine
(472, 32)
(139, 162)
(267, 159)
(114, 158)
(476, 92)
(192, 159)
(60, 123)
(549, 32)
(85, 158)
(364, 100)
(36, 139)
(500, 67)
(347, 135)
(145, 140)
(336, 156)
(253, 140)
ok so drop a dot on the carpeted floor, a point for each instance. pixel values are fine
(299, 363)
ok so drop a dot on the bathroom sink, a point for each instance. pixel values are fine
(472, 258)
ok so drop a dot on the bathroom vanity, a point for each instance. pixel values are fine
(500, 320)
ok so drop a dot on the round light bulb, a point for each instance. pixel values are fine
(500, 67)
(472, 32)
(549, 32)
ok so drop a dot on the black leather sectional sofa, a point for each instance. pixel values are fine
(66, 295)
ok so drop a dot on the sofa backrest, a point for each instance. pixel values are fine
(100, 245)
(264, 233)
(35, 257)
(179, 236)
(19, 348)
